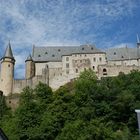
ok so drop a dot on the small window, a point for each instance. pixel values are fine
(91, 48)
(39, 55)
(76, 70)
(67, 65)
(122, 56)
(100, 58)
(85, 55)
(46, 52)
(114, 53)
(93, 67)
(75, 61)
(94, 59)
(67, 72)
(53, 55)
(104, 71)
(59, 50)
(67, 58)
(82, 48)
(80, 61)
(9, 65)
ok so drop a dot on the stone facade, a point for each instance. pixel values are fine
(58, 65)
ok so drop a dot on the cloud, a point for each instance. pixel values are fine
(62, 22)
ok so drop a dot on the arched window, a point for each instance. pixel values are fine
(104, 71)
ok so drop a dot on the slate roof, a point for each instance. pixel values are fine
(54, 53)
(114, 54)
(8, 52)
(29, 58)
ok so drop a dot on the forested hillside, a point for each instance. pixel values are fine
(87, 109)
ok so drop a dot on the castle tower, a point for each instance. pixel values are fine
(7, 71)
(30, 68)
(138, 42)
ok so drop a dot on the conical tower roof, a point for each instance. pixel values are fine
(29, 58)
(8, 52)
(138, 41)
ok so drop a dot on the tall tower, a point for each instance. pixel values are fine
(7, 71)
(30, 68)
(138, 42)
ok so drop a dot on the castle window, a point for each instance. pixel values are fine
(39, 55)
(46, 52)
(104, 71)
(94, 59)
(76, 70)
(67, 58)
(53, 55)
(100, 58)
(114, 53)
(59, 50)
(67, 65)
(67, 72)
(93, 67)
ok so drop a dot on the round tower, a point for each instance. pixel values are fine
(7, 71)
(30, 67)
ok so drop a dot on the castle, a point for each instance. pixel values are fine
(58, 65)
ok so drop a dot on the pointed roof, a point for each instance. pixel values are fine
(29, 58)
(138, 41)
(8, 52)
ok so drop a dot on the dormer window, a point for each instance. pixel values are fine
(59, 50)
(39, 55)
(122, 56)
(46, 52)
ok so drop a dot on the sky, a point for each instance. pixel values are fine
(105, 23)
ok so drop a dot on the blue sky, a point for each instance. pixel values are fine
(105, 23)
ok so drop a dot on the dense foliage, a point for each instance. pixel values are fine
(87, 109)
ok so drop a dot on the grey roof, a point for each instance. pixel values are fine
(8, 52)
(54, 53)
(29, 58)
(122, 53)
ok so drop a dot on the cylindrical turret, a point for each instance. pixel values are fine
(7, 71)
(30, 68)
